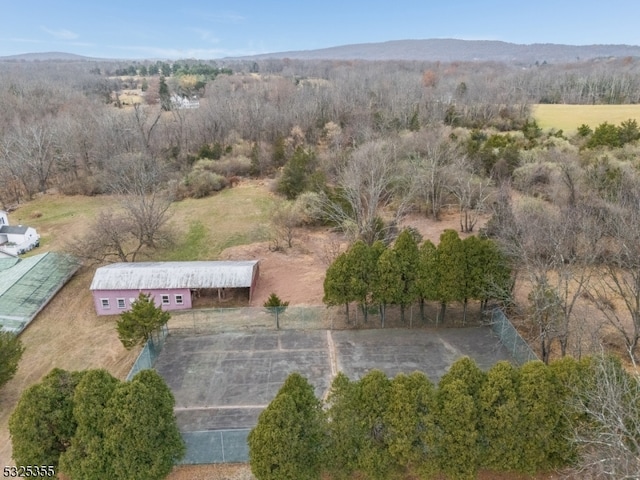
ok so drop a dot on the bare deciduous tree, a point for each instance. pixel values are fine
(144, 211)
(285, 218)
(621, 279)
(367, 186)
(430, 168)
(551, 251)
(609, 439)
(472, 192)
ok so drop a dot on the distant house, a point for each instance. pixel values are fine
(173, 285)
(16, 239)
(180, 102)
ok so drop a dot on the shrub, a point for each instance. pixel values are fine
(200, 184)
(234, 166)
(533, 178)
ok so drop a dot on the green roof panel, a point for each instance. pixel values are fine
(27, 286)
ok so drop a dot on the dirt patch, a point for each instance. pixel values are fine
(243, 472)
(297, 274)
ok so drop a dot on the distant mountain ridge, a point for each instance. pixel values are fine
(47, 56)
(430, 50)
(449, 50)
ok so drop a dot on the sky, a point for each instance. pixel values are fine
(141, 29)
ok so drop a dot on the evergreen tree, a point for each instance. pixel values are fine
(42, 424)
(165, 69)
(288, 441)
(165, 96)
(141, 437)
(275, 306)
(136, 325)
(411, 402)
(605, 135)
(474, 267)
(450, 265)
(11, 350)
(544, 433)
(337, 283)
(346, 432)
(467, 371)
(297, 173)
(86, 457)
(628, 131)
(427, 275)
(388, 287)
(362, 260)
(279, 155)
(455, 434)
(407, 257)
(373, 394)
(500, 419)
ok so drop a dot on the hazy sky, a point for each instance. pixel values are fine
(215, 29)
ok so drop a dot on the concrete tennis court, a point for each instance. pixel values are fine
(223, 381)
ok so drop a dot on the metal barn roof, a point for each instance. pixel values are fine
(14, 229)
(27, 285)
(160, 275)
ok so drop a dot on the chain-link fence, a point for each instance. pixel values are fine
(147, 357)
(216, 446)
(318, 317)
(510, 338)
(218, 320)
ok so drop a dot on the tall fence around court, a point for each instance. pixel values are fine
(510, 338)
(147, 357)
(216, 446)
(219, 320)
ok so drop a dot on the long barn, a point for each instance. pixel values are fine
(173, 285)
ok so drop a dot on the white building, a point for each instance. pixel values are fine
(181, 102)
(16, 239)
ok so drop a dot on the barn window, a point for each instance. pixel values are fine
(179, 300)
(121, 303)
(105, 303)
(165, 300)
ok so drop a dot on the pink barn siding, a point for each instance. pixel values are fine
(128, 295)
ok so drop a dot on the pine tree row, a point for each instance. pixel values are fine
(454, 271)
(509, 419)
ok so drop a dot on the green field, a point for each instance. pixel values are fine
(569, 117)
(201, 228)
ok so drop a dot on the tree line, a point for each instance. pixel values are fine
(59, 130)
(90, 425)
(406, 273)
(524, 419)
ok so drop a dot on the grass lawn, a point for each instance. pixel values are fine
(202, 228)
(205, 227)
(569, 117)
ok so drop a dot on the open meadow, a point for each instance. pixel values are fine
(569, 117)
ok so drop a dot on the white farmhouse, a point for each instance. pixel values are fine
(16, 239)
(180, 102)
